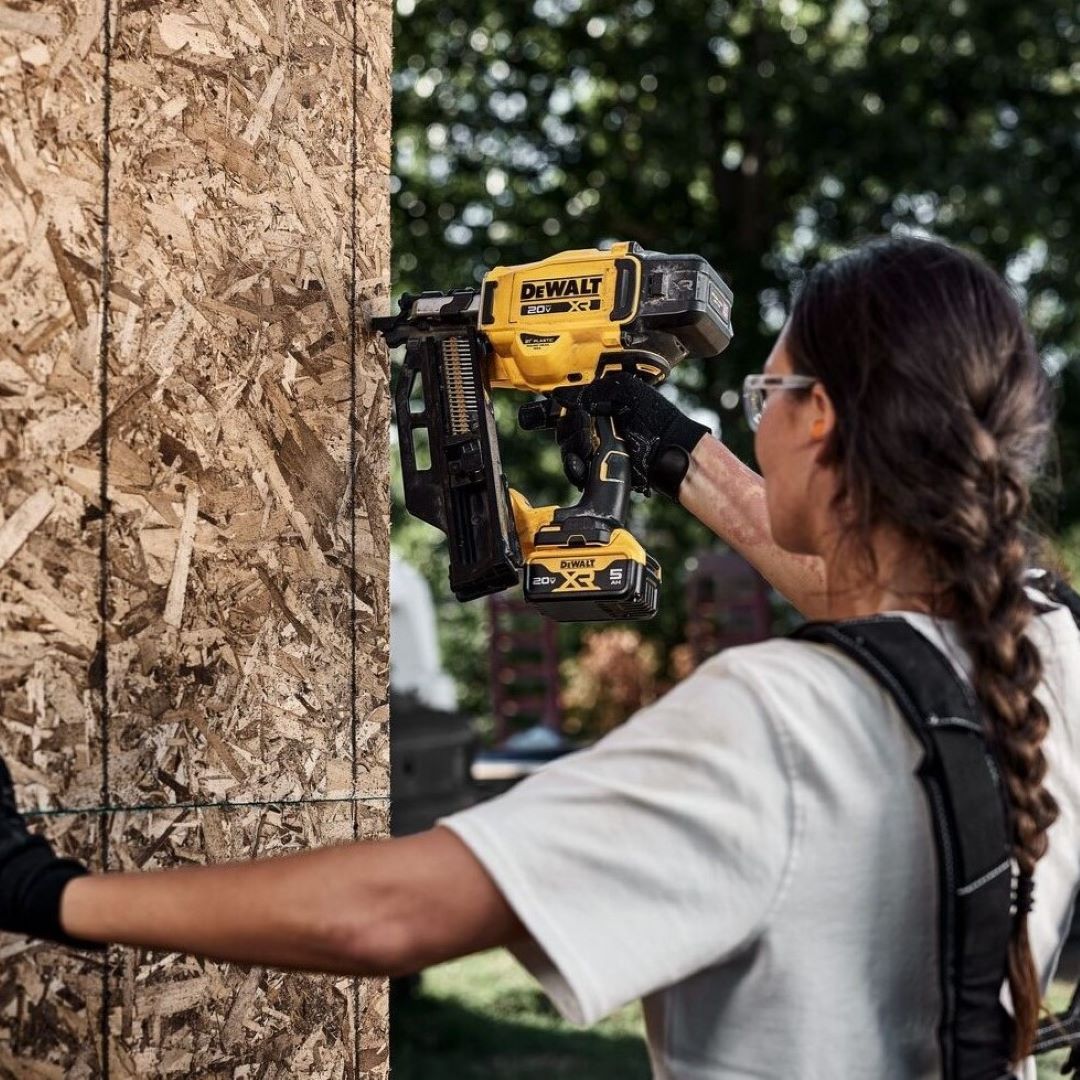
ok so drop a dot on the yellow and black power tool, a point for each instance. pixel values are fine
(545, 326)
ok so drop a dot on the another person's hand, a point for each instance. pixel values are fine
(659, 438)
(32, 876)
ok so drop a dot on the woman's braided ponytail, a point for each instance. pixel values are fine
(943, 417)
(983, 559)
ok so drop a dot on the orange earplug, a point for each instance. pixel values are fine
(817, 428)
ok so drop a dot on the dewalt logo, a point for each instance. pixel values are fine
(576, 564)
(562, 295)
(558, 288)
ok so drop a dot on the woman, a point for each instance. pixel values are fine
(751, 854)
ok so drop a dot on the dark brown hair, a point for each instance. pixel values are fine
(944, 413)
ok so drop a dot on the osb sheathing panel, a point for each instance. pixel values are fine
(247, 226)
(51, 93)
(230, 366)
(173, 1015)
(230, 371)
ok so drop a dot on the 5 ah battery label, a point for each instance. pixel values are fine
(578, 575)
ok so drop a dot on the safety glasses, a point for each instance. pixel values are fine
(756, 390)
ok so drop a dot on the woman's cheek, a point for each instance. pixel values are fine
(764, 445)
(781, 488)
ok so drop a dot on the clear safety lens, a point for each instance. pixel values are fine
(756, 389)
(753, 400)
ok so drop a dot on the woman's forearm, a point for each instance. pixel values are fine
(270, 912)
(366, 908)
(722, 493)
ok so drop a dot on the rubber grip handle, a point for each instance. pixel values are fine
(606, 492)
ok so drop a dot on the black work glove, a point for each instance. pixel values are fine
(658, 437)
(32, 876)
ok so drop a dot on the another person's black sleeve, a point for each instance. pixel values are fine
(32, 875)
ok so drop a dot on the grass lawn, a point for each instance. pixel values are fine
(483, 1018)
(1057, 999)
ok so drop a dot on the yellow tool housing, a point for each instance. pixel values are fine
(551, 322)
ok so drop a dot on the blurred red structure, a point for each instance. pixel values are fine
(727, 603)
(524, 667)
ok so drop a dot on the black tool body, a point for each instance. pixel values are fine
(463, 492)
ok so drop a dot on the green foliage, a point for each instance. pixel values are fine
(1069, 549)
(762, 134)
(1065, 479)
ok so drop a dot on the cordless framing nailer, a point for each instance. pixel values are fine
(548, 326)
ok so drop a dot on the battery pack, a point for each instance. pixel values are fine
(579, 586)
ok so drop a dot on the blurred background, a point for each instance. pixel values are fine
(765, 135)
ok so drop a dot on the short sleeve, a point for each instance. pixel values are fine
(651, 855)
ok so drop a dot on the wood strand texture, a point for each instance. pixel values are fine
(231, 701)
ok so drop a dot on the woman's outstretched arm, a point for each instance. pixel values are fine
(729, 498)
(381, 907)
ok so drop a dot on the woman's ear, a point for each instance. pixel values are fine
(822, 414)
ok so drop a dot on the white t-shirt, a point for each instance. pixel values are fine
(753, 857)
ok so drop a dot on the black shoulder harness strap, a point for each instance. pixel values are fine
(971, 833)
